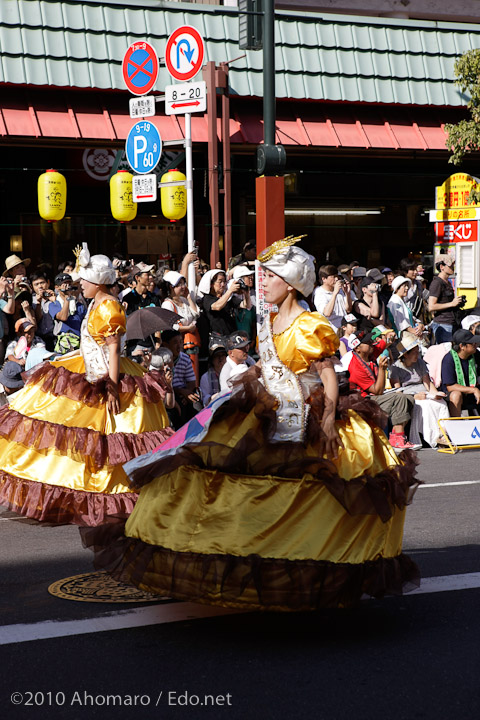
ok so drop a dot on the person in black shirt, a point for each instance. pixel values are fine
(140, 296)
(442, 300)
(219, 302)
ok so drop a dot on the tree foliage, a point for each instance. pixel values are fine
(464, 136)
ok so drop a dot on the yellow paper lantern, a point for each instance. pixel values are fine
(174, 198)
(121, 196)
(52, 195)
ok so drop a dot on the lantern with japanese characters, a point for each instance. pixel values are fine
(121, 196)
(173, 198)
(52, 195)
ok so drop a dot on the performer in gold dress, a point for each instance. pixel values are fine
(289, 498)
(65, 436)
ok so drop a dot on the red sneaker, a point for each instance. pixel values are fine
(399, 442)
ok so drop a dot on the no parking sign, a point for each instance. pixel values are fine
(140, 68)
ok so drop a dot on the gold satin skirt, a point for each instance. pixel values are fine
(60, 447)
(225, 529)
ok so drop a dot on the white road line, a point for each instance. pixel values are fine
(176, 612)
(139, 617)
(449, 484)
(447, 583)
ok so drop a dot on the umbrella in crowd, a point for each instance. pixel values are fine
(148, 321)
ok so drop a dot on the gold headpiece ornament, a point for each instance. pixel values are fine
(270, 251)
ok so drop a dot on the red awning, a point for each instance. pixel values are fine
(95, 116)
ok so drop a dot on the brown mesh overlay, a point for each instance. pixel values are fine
(62, 506)
(60, 381)
(79, 443)
(255, 455)
(251, 582)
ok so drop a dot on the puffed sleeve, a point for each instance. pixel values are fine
(315, 338)
(109, 319)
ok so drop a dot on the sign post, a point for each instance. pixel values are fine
(184, 56)
(457, 233)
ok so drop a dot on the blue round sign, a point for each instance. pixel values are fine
(143, 147)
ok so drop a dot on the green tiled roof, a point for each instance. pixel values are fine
(329, 57)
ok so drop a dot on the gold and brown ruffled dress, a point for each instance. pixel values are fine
(241, 521)
(61, 450)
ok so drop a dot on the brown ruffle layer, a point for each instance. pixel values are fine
(78, 442)
(255, 455)
(251, 582)
(60, 381)
(63, 506)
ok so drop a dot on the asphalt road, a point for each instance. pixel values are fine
(417, 656)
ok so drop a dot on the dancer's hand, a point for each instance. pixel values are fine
(333, 442)
(113, 401)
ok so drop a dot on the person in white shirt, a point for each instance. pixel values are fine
(238, 360)
(332, 298)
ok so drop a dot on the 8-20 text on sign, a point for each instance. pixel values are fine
(186, 98)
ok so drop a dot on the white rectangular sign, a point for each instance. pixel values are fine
(142, 106)
(144, 188)
(462, 431)
(186, 98)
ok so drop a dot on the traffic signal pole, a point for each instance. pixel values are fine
(269, 187)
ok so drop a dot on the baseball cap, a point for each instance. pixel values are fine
(465, 336)
(23, 323)
(141, 267)
(11, 375)
(380, 330)
(237, 340)
(240, 271)
(63, 278)
(215, 348)
(350, 318)
(375, 274)
(386, 270)
(367, 338)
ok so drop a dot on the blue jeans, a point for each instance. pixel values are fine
(442, 333)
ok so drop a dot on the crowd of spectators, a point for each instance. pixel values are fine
(404, 341)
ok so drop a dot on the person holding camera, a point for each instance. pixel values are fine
(245, 313)
(332, 298)
(42, 297)
(369, 309)
(67, 313)
(442, 301)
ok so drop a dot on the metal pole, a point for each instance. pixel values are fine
(269, 72)
(189, 185)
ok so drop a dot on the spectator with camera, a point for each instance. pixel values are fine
(442, 301)
(332, 298)
(369, 309)
(42, 297)
(245, 313)
(68, 313)
(7, 308)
